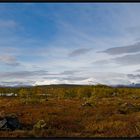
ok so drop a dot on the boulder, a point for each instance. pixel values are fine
(9, 123)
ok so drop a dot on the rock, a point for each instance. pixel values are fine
(9, 123)
(86, 104)
(3, 123)
(115, 94)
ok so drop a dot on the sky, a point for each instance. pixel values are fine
(69, 43)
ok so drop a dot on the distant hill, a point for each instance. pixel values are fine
(133, 85)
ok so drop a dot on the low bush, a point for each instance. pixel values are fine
(33, 100)
(85, 92)
(126, 108)
(41, 124)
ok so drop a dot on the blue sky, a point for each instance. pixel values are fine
(53, 43)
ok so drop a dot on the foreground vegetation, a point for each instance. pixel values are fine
(73, 111)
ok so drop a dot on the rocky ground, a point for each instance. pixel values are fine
(104, 117)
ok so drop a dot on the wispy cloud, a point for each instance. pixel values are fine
(78, 52)
(122, 50)
(132, 59)
(138, 70)
(22, 74)
(134, 76)
(69, 72)
(17, 83)
(75, 78)
(9, 60)
(7, 24)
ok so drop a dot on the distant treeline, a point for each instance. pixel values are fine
(72, 91)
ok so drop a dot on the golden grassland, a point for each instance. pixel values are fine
(105, 112)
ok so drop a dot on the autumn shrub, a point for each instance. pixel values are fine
(70, 93)
(102, 92)
(32, 100)
(59, 93)
(92, 101)
(24, 93)
(126, 108)
(85, 92)
(104, 127)
(40, 127)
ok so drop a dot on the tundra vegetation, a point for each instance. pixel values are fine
(73, 111)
